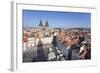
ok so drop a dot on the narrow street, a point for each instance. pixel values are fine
(42, 53)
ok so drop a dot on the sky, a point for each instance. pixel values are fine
(31, 18)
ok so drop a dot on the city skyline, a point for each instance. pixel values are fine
(32, 18)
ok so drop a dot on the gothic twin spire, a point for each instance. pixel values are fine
(41, 24)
